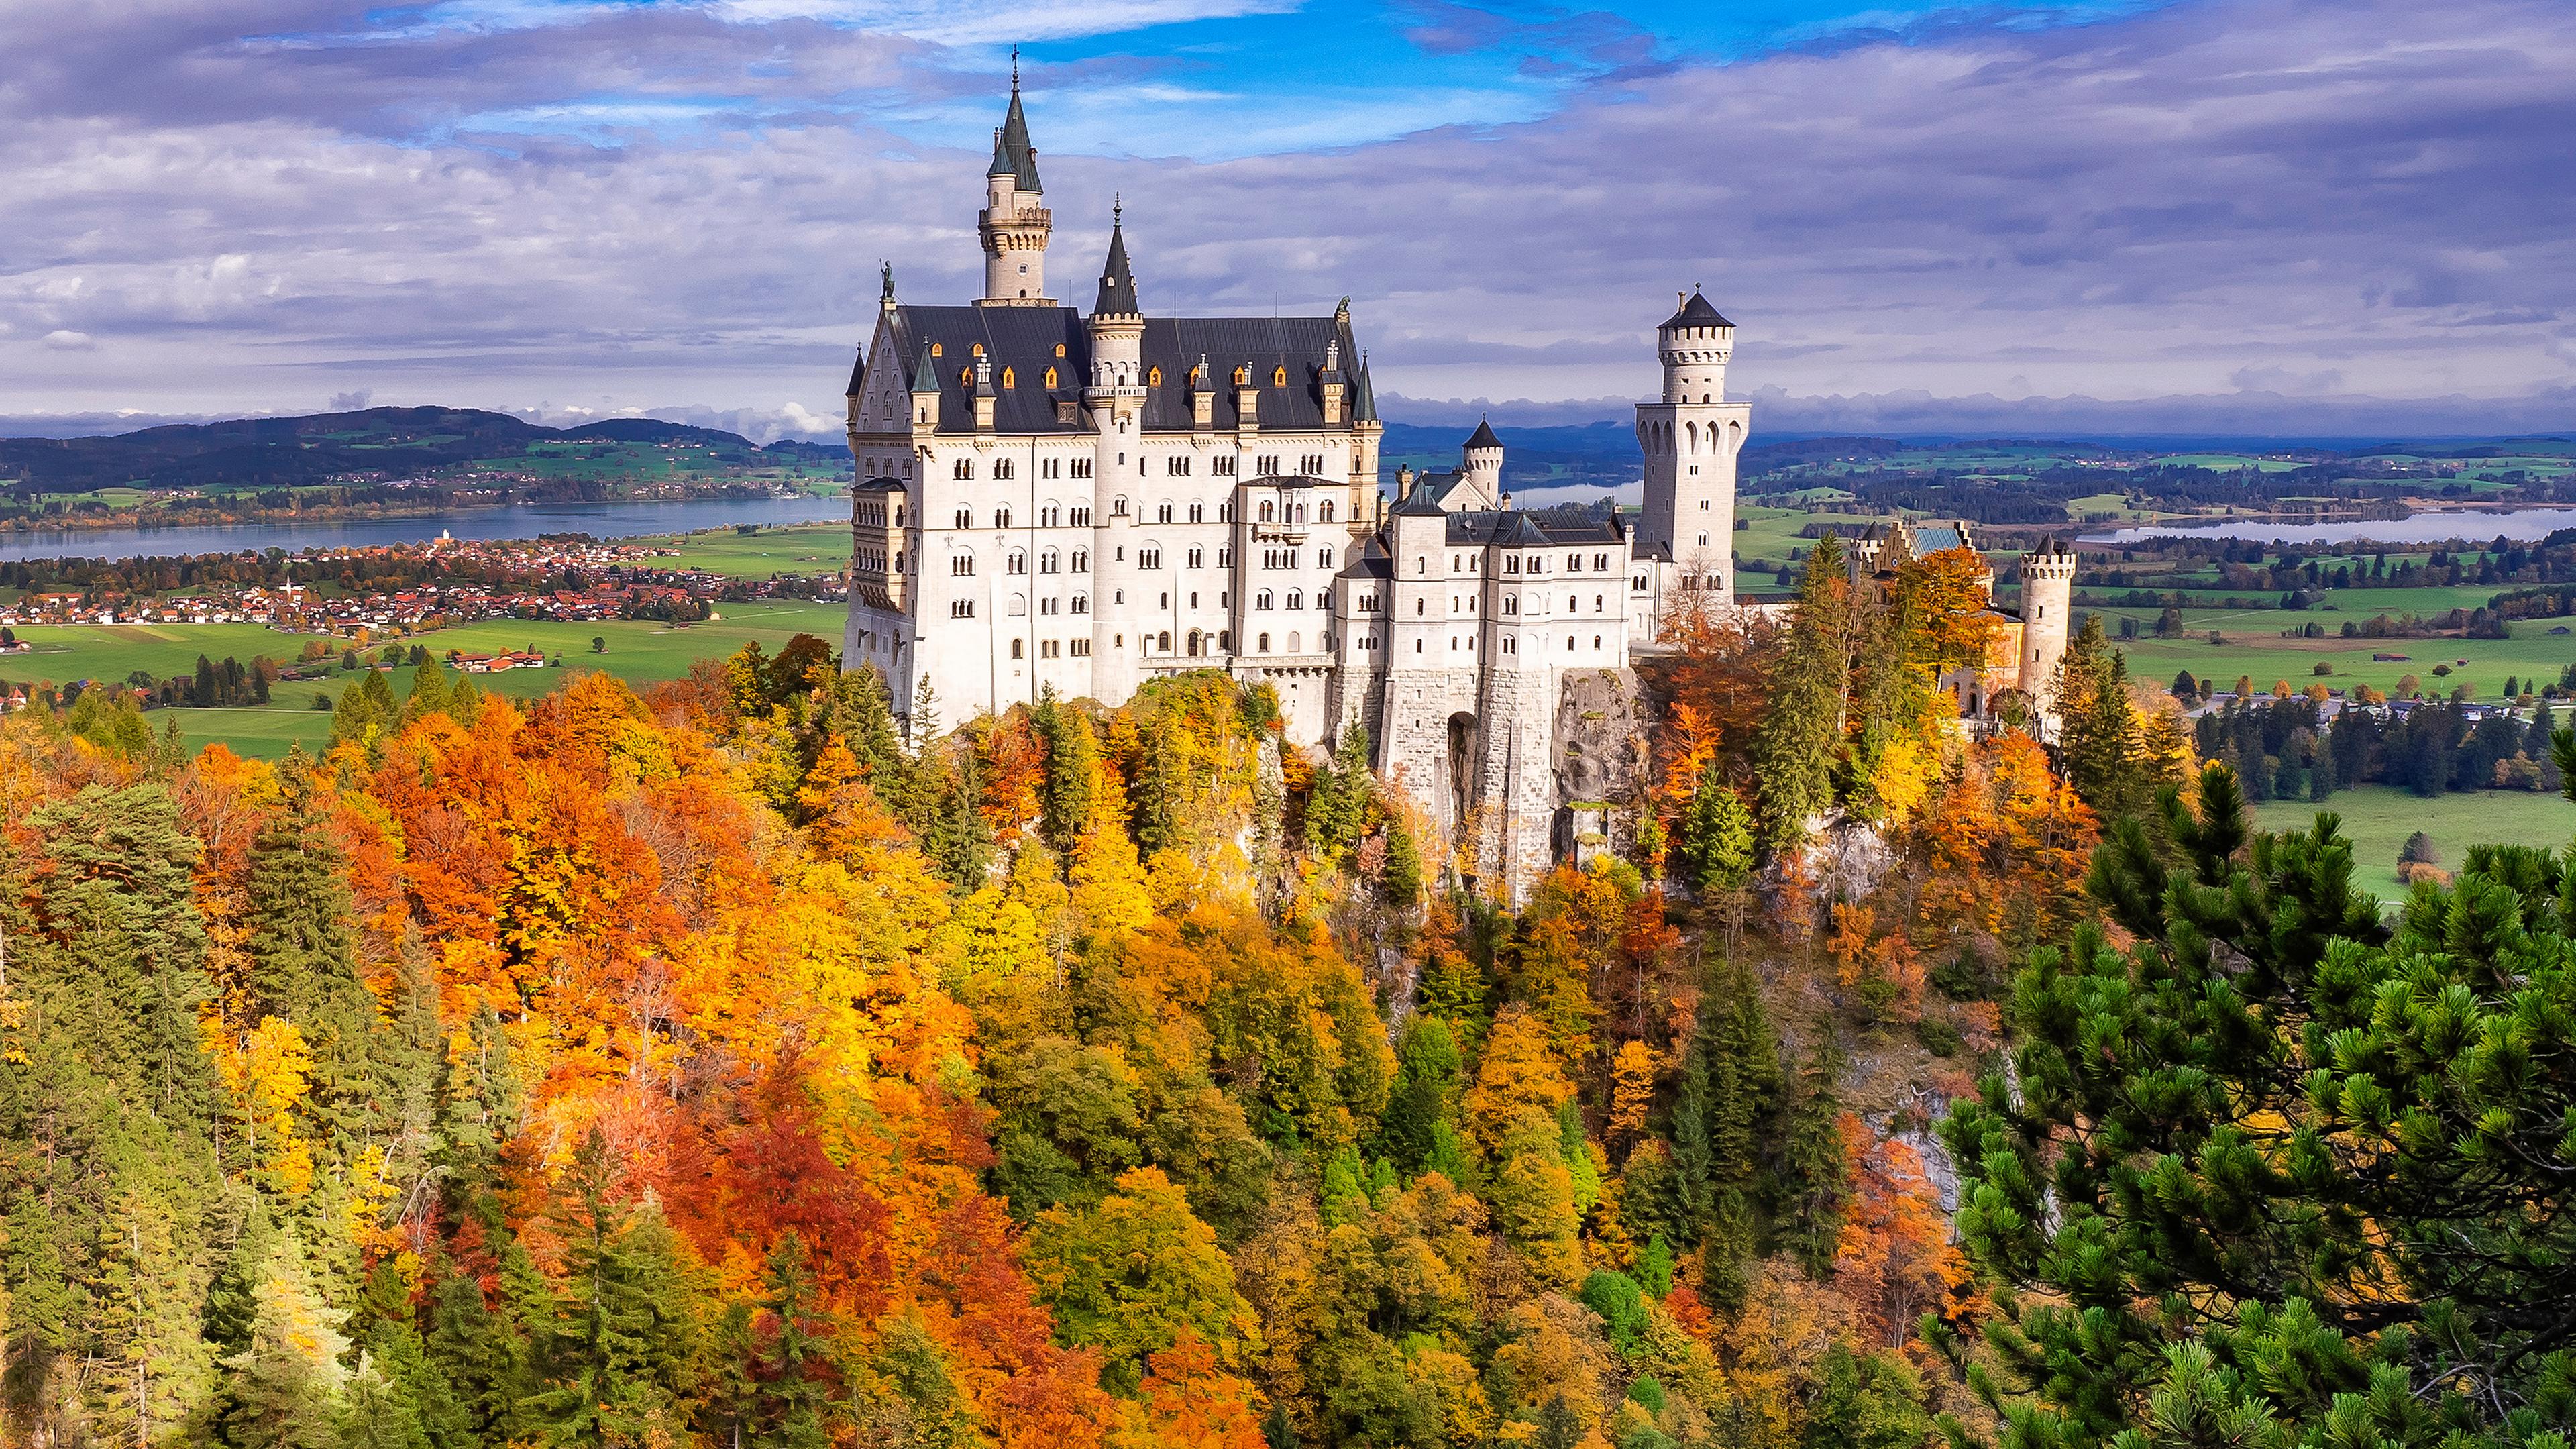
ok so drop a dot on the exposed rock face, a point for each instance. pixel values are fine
(1597, 757)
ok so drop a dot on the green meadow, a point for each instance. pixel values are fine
(2378, 818)
(796, 548)
(641, 652)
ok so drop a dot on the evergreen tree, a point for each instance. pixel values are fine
(285, 1386)
(365, 713)
(1402, 879)
(1815, 1170)
(1722, 1118)
(430, 692)
(1072, 765)
(1795, 749)
(616, 1352)
(2098, 733)
(1716, 835)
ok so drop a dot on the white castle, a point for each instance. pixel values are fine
(1083, 504)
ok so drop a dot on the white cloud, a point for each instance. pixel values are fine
(63, 339)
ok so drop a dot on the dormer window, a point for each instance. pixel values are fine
(1059, 349)
(1050, 375)
(1243, 376)
(1008, 380)
(936, 350)
(979, 349)
(1154, 377)
(1278, 377)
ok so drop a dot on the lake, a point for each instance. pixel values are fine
(2427, 527)
(599, 520)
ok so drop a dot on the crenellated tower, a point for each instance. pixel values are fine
(2047, 607)
(1691, 438)
(1015, 222)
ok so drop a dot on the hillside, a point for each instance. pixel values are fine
(412, 446)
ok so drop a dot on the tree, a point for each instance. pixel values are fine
(598, 644)
(1794, 749)
(614, 1355)
(2297, 1197)
(1716, 835)
(1815, 1167)
(1130, 1276)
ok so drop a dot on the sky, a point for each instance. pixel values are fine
(2345, 217)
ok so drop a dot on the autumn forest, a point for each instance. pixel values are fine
(724, 1065)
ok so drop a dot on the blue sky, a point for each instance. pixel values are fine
(2237, 215)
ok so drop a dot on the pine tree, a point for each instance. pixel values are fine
(285, 1386)
(430, 693)
(2098, 729)
(1071, 771)
(1716, 835)
(1815, 1168)
(614, 1355)
(1799, 741)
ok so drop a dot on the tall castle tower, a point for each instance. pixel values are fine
(1691, 439)
(1115, 398)
(2047, 594)
(1014, 222)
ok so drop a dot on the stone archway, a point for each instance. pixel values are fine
(1460, 765)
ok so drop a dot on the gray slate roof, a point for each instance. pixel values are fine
(1022, 342)
(1697, 313)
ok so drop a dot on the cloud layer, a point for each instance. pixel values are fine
(2218, 212)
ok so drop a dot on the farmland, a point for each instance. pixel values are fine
(2378, 818)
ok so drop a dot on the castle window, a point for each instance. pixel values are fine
(1596, 642)
(1225, 640)
(935, 349)
(1154, 378)
(1082, 467)
(1512, 565)
(1163, 641)
(1224, 467)
(1420, 564)
(965, 377)
(1225, 558)
(1050, 373)
(1047, 516)
(1278, 377)
(1268, 511)
(1296, 599)
(1265, 643)
(1596, 603)
(1325, 511)
(1149, 558)
(1295, 643)
(1324, 557)
(1048, 605)
(977, 349)
(1082, 560)
(1118, 508)
(1009, 379)
(962, 609)
(1243, 375)
(1198, 558)
(1601, 563)
(1703, 540)
(963, 468)
(1511, 603)
(1001, 518)
(1002, 468)
(1059, 349)
(1082, 603)
(1163, 513)
(965, 518)
(1015, 649)
(1638, 583)
(1047, 561)
(1198, 513)
(1261, 600)
(961, 566)
(1569, 643)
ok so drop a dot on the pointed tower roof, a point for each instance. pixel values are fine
(1363, 397)
(923, 378)
(1484, 436)
(1696, 312)
(1012, 145)
(858, 372)
(1001, 159)
(1117, 284)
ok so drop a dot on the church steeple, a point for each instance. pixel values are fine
(1014, 224)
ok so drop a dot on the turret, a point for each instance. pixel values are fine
(2047, 608)
(1115, 400)
(1014, 223)
(1483, 473)
(925, 395)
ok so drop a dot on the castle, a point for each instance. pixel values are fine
(1049, 500)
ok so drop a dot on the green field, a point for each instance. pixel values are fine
(2378, 818)
(639, 652)
(796, 548)
(2254, 646)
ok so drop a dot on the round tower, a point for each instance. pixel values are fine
(1483, 457)
(1115, 398)
(2047, 593)
(1690, 438)
(1015, 222)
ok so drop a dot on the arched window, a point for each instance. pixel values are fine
(1278, 377)
(1001, 518)
(1324, 511)
(1225, 640)
(1154, 378)
(1295, 644)
(1118, 508)
(1009, 378)
(1265, 644)
(935, 349)
(1015, 649)
(1050, 377)
(1082, 560)
(1047, 561)
(1194, 643)
(1019, 606)
(1163, 513)
(965, 518)
(1261, 600)
(1268, 513)
(1296, 600)
(1243, 375)
(1596, 642)
(1059, 349)
(978, 349)
(1163, 641)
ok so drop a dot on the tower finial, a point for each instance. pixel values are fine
(1117, 208)
(1015, 69)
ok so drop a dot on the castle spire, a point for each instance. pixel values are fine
(1117, 283)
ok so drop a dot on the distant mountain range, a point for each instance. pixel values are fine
(371, 445)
